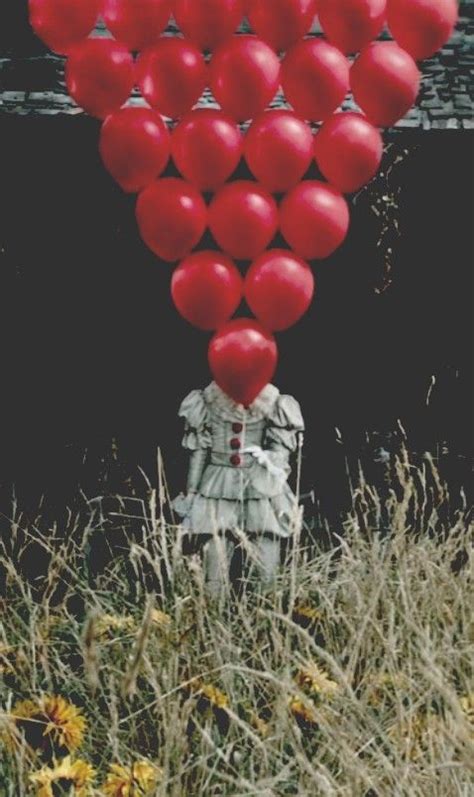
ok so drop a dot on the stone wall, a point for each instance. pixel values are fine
(31, 80)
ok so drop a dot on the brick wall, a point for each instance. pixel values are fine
(31, 79)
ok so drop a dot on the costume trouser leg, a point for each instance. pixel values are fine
(217, 558)
(268, 558)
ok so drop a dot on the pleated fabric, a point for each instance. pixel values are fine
(254, 497)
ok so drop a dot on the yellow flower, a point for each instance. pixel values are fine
(305, 614)
(303, 711)
(67, 777)
(48, 725)
(160, 620)
(211, 703)
(259, 724)
(213, 695)
(138, 780)
(109, 625)
(316, 681)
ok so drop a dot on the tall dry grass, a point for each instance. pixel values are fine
(352, 677)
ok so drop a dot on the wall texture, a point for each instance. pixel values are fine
(31, 78)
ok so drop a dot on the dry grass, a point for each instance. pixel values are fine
(354, 677)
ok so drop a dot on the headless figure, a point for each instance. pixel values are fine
(237, 486)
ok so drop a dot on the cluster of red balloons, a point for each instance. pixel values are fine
(243, 217)
(244, 73)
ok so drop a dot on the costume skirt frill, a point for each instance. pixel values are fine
(252, 501)
(278, 515)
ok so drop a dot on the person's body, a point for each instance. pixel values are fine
(238, 472)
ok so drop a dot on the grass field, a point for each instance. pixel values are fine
(353, 677)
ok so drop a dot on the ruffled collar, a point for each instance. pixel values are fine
(228, 409)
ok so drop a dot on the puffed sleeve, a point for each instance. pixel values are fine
(285, 426)
(197, 432)
(197, 436)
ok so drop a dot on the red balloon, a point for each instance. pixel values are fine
(385, 83)
(279, 288)
(278, 149)
(172, 218)
(315, 78)
(208, 22)
(281, 23)
(135, 147)
(243, 218)
(100, 75)
(207, 147)
(314, 219)
(243, 357)
(348, 151)
(61, 24)
(207, 289)
(422, 27)
(137, 23)
(172, 76)
(352, 24)
(245, 75)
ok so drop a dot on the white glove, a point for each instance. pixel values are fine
(263, 458)
(182, 504)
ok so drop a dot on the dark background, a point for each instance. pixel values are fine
(93, 351)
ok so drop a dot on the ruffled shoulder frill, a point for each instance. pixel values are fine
(286, 425)
(194, 409)
(228, 410)
(195, 412)
(287, 414)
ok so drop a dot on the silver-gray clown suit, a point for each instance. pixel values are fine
(239, 462)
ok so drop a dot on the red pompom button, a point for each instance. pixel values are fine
(235, 443)
(237, 427)
(235, 460)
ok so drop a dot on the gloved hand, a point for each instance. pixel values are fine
(264, 459)
(258, 453)
(182, 504)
